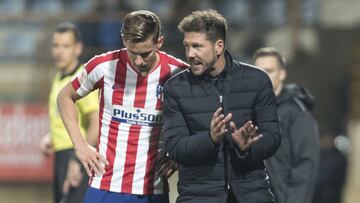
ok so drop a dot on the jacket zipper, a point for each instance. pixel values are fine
(226, 152)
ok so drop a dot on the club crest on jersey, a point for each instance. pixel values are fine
(159, 92)
(83, 76)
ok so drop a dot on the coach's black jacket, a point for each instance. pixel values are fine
(207, 173)
(293, 168)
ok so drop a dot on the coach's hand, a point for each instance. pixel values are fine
(245, 136)
(167, 167)
(218, 125)
(90, 159)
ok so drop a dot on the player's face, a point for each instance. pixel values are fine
(271, 66)
(65, 50)
(200, 52)
(143, 55)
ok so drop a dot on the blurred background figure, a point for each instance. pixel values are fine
(293, 168)
(333, 168)
(66, 49)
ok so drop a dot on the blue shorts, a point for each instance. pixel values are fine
(94, 195)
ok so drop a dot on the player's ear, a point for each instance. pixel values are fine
(123, 40)
(160, 42)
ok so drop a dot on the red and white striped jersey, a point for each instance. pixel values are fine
(130, 119)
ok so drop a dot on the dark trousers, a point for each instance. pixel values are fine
(75, 195)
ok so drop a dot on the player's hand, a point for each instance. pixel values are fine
(218, 125)
(91, 159)
(245, 136)
(167, 167)
(46, 145)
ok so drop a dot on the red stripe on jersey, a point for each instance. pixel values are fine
(119, 83)
(130, 160)
(133, 141)
(76, 84)
(101, 111)
(151, 160)
(110, 154)
(140, 95)
(173, 61)
(89, 66)
(117, 99)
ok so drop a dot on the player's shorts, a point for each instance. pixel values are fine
(94, 195)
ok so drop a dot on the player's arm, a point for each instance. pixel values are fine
(74, 174)
(87, 154)
(93, 129)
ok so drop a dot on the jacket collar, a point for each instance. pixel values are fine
(64, 75)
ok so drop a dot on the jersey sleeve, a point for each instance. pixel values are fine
(90, 103)
(86, 79)
(178, 63)
(83, 82)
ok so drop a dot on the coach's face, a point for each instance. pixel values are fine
(65, 50)
(143, 55)
(201, 53)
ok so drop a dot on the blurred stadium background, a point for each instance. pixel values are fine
(320, 39)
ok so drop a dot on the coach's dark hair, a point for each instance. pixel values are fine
(205, 21)
(69, 27)
(138, 26)
(269, 51)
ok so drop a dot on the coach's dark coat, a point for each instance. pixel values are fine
(207, 173)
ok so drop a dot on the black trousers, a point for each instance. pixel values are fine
(75, 195)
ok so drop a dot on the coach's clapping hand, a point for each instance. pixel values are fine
(245, 136)
(218, 125)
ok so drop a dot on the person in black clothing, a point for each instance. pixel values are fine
(293, 168)
(332, 171)
(220, 119)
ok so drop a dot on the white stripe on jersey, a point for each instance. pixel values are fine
(130, 87)
(174, 69)
(119, 162)
(108, 71)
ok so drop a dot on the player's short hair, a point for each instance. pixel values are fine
(138, 26)
(269, 51)
(69, 27)
(210, 22)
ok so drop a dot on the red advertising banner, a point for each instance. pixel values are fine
(21, 128)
